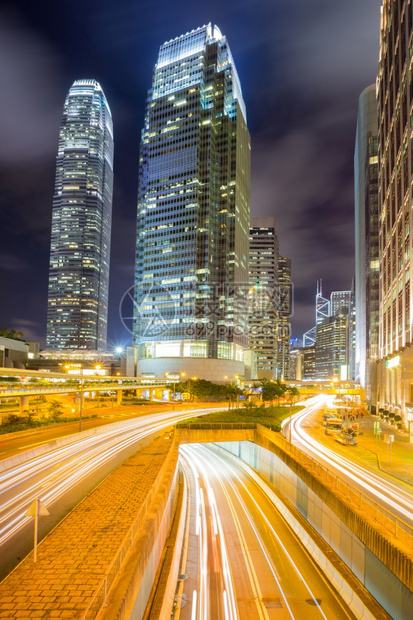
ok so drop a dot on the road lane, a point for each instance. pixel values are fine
(64, 476)
(394, 497)
(265, 570)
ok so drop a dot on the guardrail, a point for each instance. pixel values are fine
(381, 515)
(216, 425)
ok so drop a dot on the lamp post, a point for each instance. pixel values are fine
(81, 400)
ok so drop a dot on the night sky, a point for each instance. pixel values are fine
(302, 66)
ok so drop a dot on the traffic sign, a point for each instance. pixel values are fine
(37, 509)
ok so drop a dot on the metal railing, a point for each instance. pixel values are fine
(216, 425)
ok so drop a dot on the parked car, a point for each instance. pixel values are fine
(346, 439)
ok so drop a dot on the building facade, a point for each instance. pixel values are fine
(338, 300)
(13, 353)
(395, 99)
(285, 310)
(81, 222)
(331, 349)
(191, 276)
(367, 244)
(263, 295)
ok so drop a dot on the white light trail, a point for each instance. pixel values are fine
(375, 486)
(52, 475)
(210, 464)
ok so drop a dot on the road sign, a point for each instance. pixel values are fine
(376, 428)
(37, 508)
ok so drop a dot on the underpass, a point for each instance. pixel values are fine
(271, 444)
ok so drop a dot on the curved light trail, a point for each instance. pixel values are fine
(377, 487)
(53, 475)
(245, 566)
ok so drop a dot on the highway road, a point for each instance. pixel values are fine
(240, 558)
(394, 496)
(62, 477)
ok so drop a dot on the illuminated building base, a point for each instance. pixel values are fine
(395, 385)
(215, 370)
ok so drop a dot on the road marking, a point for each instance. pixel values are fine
(36, 444)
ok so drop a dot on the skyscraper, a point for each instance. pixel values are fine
(191, 278)
(331, 349)
(285, 303)
(263, 295)
(81, 222)
(395, 145)
(339, 299)
(367, 242)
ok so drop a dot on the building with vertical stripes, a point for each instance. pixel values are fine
(191, 276)
(81, 222)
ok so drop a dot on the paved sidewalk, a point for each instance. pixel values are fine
(74, 558)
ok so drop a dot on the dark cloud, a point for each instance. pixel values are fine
(31, 96)
(302, 67)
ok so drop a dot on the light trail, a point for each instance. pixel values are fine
(53, 475)
(212, 551)
(375, 486)
(263, 559)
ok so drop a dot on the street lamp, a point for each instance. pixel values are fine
(81, 399)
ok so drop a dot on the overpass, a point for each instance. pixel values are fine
(363, 549)
(49, 384)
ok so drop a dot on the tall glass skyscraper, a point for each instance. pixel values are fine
(81, 222)
(191, 281)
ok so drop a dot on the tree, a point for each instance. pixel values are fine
(204, 390)
(55, 409)
(272, 390)
(292, 392)
(12, 334)
(232, 391)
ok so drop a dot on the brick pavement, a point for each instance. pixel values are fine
(74, 558)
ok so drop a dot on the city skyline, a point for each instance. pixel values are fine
(304, 104)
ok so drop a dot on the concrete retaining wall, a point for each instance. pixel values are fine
(354, 540)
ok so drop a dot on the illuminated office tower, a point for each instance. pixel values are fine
(285, 303)
(339, 299)
(331, 349)
(81, 222)
(191, 277)
(366, 196)
(263, 295)
(395, 145)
